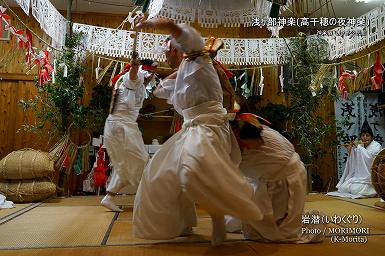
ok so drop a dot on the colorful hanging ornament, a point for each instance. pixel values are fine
(21, 40)
(3, 17)
(29, 46)
(342, 87)
(100, 176)
(78, 163)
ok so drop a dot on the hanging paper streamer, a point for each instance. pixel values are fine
(245, 89)
(242, 80)
(24, 4)
(54, 72)
(50, 20)
(281, 79)
(65, 69)
(252, 83)
(97, 70)
(261, 84)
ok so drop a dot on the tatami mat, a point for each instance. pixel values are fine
(372, 218)
(315, 197)
(363, 201)
(373, 246)
(81, 222)
(6, 212)
(55, 227)
(203, 249)
(121, 233)
(88, 201)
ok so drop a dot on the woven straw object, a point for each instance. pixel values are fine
(378, 174)
(27, 191)
(26, 164)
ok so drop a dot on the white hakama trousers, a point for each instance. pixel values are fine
(125, 147)
(196, 165)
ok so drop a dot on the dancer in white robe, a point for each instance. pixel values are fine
(122, 137)
(194, 165)
(356, 180)
(279, 179)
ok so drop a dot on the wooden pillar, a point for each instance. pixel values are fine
(69, 17)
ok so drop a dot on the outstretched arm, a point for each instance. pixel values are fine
(164, 24)
(135, 63)
(186, 38)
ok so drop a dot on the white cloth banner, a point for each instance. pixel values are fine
(24, 4)
(211, 13)
(51, 21)
(119, 43)
(350, 115)
(343, 40)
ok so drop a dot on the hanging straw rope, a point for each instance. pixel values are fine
(65, 152)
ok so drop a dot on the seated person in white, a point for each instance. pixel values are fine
(356, 181)
(279, 179)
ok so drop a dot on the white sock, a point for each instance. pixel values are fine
(187, 231)
(109, 203)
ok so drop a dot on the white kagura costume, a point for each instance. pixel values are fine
(197, 164)
(279, 180)
(356, 181)
(122, 136)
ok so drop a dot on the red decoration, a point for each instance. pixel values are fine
(28, 45)
(178, 125)
(342, 87)
(66, 161)
(44, 67)
(100, 176)
(148, 67)
(3, 16)
(377, 70)
(252, 119)
(116, 78)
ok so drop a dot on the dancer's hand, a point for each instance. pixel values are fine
(161, 23)
(135, 63)
(154, 23)
(172, 76)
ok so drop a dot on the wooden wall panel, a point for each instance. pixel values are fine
(12, 118)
